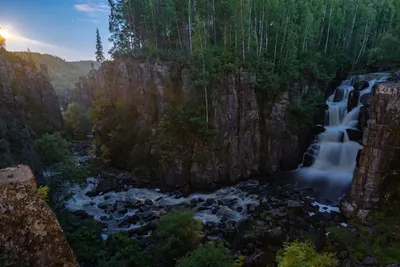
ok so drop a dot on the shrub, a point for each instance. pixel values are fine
(44, 192)
(53, 148)
(206, 255)
(76, 119)
(177, 234)
(303, 254)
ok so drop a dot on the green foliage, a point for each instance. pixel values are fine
(76, 119)
(44, 192)
(99, 48)
(63, 74)
(53, 148)
(69, 170)
(206, 255)
(177, 234)
(303, 254)
(349, 241)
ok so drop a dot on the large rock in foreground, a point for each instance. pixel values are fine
(381, 144)
(30, 234)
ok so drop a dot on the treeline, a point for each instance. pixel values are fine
(292, 36)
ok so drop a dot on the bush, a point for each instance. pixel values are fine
(53, 148)
(206, 255)
(44, 192)
(303, 254)
(177, 234)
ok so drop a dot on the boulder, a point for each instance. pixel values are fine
(308, 160)
(352, 101)
(361, 85)
(30, 234)
(339, 94)
(294, 204)
(354, 135)
(363, 118)
(319, 129)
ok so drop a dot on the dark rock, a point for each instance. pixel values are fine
(147, 215)
(210, 201)
(370, 261)
(343, 255)
(363, 118)
(251, 208)
(308, 160)
(81, 214)
(339, 94)
(133, 219)
(352, 101)
(239, 209)
(355, 135)
(148, 202)
(193, 202)
(294, 204)
(366, 99)
(361, 85)
(319, 129)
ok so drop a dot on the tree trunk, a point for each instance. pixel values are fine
(329, 28)
(190, 27)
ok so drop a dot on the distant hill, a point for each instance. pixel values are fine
(63, 74)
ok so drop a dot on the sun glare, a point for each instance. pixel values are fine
(5, 33)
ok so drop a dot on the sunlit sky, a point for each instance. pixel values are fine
(65, 28)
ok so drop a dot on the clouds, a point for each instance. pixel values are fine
(92, 10)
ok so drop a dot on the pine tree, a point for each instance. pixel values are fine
(99, 48)
(2, 40)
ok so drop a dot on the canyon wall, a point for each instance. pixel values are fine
(252, 137)
(380, 118)
(28, 108)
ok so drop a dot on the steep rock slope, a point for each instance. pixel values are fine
(28, 108)
(381, 147)
(250, 138)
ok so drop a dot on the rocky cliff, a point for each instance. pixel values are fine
(252, 137)
(28, 108)
(380, 117)
(30, 234)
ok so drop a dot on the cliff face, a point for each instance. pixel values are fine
(381, 121)
(28, 107)
(250, 138)
(30, 234)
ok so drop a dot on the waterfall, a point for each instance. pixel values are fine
(333, 155)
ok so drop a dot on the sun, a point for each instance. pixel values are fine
(4, 33)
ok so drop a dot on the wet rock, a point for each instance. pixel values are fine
(200, 200)
(211, 201)
(81, 214)
(193, 202)
(123, 211)
(277, 212)
(363, 118)
(355, 135)
(361, 85)
(214, 210)
(148, 202)
(339, 94)
(239, 209)
(103, 206)
(366, 99)
(133, 219)
(370, 261)
(319, 129)
(308, 159)
(294, 204)
(251, 208)
(147, 215)
(352, 101)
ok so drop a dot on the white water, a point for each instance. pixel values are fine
(336, 158)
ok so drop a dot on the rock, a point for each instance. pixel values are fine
(294, 204)
(147, 215)
(339, 94)
(361, 85)
(239, 209)
(352, 101)
(30, 234)
(193, 202)
(148, 202)
(211, 201)
(319, 129)
(308, 159)
(363, 118)
(343, 255)
(354, 135)
(133, 219)
(81, 214)
(366, 99)
(370, 261)
(381, 141)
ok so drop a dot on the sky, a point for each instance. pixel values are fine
(65, 28)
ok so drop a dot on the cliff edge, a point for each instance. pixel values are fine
(30, 234)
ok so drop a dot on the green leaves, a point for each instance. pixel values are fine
(207, 255)
(53, 148)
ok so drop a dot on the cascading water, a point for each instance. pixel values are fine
(332, 158)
